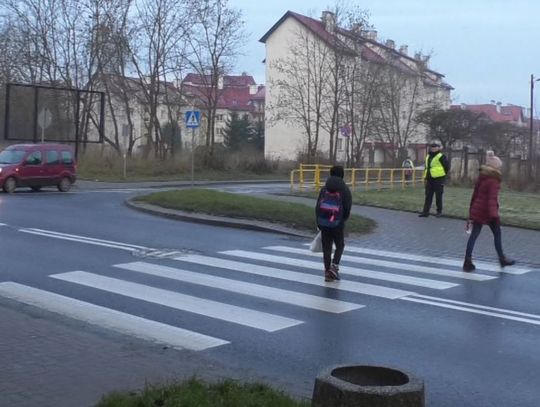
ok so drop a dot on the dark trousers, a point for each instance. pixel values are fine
(330, 237)
(476, 229)
(437, 188)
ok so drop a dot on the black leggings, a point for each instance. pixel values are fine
(477, 228)
(330, 237)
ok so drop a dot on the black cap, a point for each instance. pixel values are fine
(434, 145)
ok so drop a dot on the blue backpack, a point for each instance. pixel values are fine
(330, 210)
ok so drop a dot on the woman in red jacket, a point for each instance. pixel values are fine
(484, 209)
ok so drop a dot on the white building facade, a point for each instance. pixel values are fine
(337, 94)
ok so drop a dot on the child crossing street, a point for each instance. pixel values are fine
(332, 211)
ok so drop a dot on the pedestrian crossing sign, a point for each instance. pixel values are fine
(193, 118)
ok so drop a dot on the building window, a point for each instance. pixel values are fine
(340, 144)
(219, 117)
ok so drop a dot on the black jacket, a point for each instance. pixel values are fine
(336, 184)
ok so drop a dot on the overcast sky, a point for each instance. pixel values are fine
(487, 49)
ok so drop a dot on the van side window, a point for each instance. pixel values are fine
(52, 158)
(34, 158)
(67, 159)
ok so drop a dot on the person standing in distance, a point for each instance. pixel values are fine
(409, 168)
(435, 171)
(484, 210)
(332, 211)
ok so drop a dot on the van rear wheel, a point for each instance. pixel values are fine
(9, 185)
(64, 185)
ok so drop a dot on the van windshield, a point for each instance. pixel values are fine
(11, 156)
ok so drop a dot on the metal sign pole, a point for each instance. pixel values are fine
(192, 156)
(193, 120)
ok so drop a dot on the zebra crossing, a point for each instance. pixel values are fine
(367, 273)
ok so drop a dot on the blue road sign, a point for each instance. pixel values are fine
(193, 118)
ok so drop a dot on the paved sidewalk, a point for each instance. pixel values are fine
(48, 361)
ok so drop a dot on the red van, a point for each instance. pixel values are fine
(36, 166)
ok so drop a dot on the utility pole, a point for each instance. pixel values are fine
(531, 129)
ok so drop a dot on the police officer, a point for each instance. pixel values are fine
(435, 171)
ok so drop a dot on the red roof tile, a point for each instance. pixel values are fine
(317, 27)
(230, 97)
(228, 80)
(505, 113)
(261, 93)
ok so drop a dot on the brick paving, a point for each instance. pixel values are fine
(49, 361)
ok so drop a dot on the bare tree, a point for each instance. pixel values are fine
(160, 31)
(301, 83)
(344, 21)
(215, 39)
(362, 97)
(400, 97)
(451, 126)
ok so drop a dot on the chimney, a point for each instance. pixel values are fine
(418, 56)
(357, 28)
(329, 20)
(220, 82)
(404, 49)
(253, 89)
(498, 107)
(390, 44)
(371, 35)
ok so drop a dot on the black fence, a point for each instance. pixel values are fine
(516, 169)
(39, 113)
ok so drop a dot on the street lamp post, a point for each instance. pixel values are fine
(531, 129)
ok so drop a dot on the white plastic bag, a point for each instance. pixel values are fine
(316, 244)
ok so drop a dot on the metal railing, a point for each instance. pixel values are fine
(314, 176)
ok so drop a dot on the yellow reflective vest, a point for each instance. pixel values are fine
(436, 169)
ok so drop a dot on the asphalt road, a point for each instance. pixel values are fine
(255, 305)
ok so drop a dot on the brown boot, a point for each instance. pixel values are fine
(468, 265)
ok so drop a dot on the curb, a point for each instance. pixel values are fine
(173, 184)
(216, 220)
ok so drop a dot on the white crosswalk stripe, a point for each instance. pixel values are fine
(238, 315)
(350, 270)
(480, 265)
(311, 279)
(108, 318)
(221, 274)
(354, 271)
(254, 290)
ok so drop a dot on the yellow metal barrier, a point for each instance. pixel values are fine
(310, 176)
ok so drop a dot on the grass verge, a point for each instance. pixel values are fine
(516, 208)
(196, 393)
(206, 175)
(218, 203)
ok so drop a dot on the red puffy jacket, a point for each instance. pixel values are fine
(485, 199)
